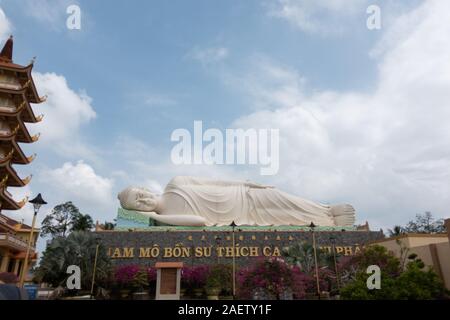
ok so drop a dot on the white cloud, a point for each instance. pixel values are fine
(208, 55)
(79, 182)
(151, 167)
(267, 83)
(318, 16)
(5, 25)
(49, 12)
(65, 112)
(27, 212)
(387, 152)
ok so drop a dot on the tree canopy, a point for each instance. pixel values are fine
(416, 282)
(423, 223)
(64, 219)
(77, 249)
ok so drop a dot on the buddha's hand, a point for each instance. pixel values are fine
(257, 185)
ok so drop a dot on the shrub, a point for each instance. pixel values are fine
(131, 276)
(151, 279)
(194, 277)
(151, 274)
(413, 283)
(220, 277)
(274, 277)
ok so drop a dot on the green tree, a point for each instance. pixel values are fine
(63, 219)
(302, 256)
(109, 225)
(81, 222)
(396, 231)
(418, 283)
(425, 223)
(412, 283)
(77, 249)
(378, 255)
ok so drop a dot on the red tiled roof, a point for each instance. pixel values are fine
(7, 51)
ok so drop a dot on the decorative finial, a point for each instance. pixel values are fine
(7, 51)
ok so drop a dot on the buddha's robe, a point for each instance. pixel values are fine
(219, 203)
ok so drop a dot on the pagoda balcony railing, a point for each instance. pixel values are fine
(10, 86)
(10, 240)
(9, 82)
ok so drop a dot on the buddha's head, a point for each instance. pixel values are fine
(138, 198)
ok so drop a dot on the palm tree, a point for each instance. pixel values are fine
(109, 225)
(77, 249)
(396, 231)
(302, 255)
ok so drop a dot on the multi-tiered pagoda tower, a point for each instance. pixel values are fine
(17, 92)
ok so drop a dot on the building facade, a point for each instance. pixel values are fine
(14, 236)
(432, 249)
(17, 93)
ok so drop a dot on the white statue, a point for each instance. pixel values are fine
(192, 201)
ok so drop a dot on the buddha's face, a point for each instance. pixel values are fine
(139, 199)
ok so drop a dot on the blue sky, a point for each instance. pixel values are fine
(354, 106)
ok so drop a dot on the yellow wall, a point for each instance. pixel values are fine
(25, 236)
(417, 241)
(422, 246)
(444, 257)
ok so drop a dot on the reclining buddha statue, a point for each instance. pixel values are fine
(193, 201)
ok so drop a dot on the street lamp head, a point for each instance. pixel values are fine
(37, 202)
(312, 225)
(233, 224)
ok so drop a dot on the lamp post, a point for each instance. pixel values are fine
(333, 244)
(95, 267)
(218, 239)
(312, 226)
(233, 225)
(37, 203)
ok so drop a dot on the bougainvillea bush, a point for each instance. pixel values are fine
(151, 279)
(194, 277)
(271, 277)
(131, 276)
(220, 277)
(151, 274)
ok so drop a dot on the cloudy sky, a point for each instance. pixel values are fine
(363, 114)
